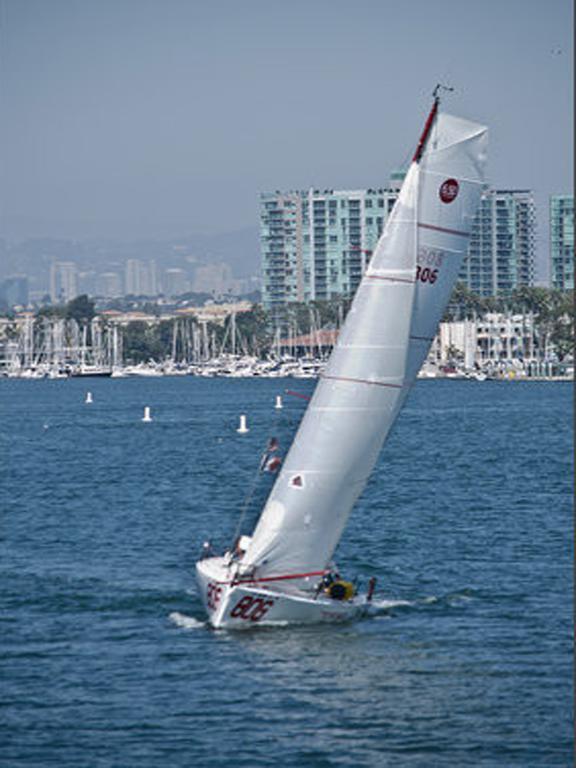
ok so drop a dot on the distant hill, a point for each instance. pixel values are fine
(239, 249)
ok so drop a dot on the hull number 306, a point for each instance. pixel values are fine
(251, 608)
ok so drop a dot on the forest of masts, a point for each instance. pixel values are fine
(76, 340)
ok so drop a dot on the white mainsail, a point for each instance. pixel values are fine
(381, 347)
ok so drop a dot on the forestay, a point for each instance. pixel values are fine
(381, 347)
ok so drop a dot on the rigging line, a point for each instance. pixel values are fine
(245, 506)
(255, 479)
(297, 394)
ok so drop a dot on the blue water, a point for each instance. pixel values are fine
(105, 656)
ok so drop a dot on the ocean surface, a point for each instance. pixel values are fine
(106, 659)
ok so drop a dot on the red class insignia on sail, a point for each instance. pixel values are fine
(449, 190)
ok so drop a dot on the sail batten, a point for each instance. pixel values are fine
(380, 349)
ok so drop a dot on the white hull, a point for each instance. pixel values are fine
(250, 604)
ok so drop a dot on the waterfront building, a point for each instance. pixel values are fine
(501, 255)
(63, 281)
(316, 244)
(562, 242)
(494, 338)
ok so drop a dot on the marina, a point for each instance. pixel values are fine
(495, 347)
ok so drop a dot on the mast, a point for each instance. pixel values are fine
(429, 122)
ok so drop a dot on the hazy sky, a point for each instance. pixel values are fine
(153, 118)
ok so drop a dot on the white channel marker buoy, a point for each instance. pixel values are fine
(242, 429)
(88, 397)
(278, 402)
(147, 416)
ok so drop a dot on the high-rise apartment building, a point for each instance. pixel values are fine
(63, 281)
(175, 282)
(141, 278)
(109, 285)
(562, 242)
(316, 244)
(501, 255)
(213, 278)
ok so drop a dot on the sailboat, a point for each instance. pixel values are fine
(282, 573)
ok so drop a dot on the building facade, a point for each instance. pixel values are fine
(175, 282)
(141, 278)
(562, 242)
(63, 281)
(502, 251)
(315, 245)
(109, 285)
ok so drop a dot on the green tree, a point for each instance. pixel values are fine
(561, 324)
(51, 311)
(464, 304)
(253, 327)
(143, 342)
(80, 309)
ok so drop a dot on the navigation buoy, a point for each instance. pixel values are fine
(89, 397)
(278, 402)
(242, 429)
(147, 416)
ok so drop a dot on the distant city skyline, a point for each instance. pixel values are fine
(144, 119)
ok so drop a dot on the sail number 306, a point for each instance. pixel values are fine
(426, 275)
(429, 262)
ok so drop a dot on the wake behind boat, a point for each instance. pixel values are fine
(282, 573)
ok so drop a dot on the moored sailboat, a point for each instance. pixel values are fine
(282, 573)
